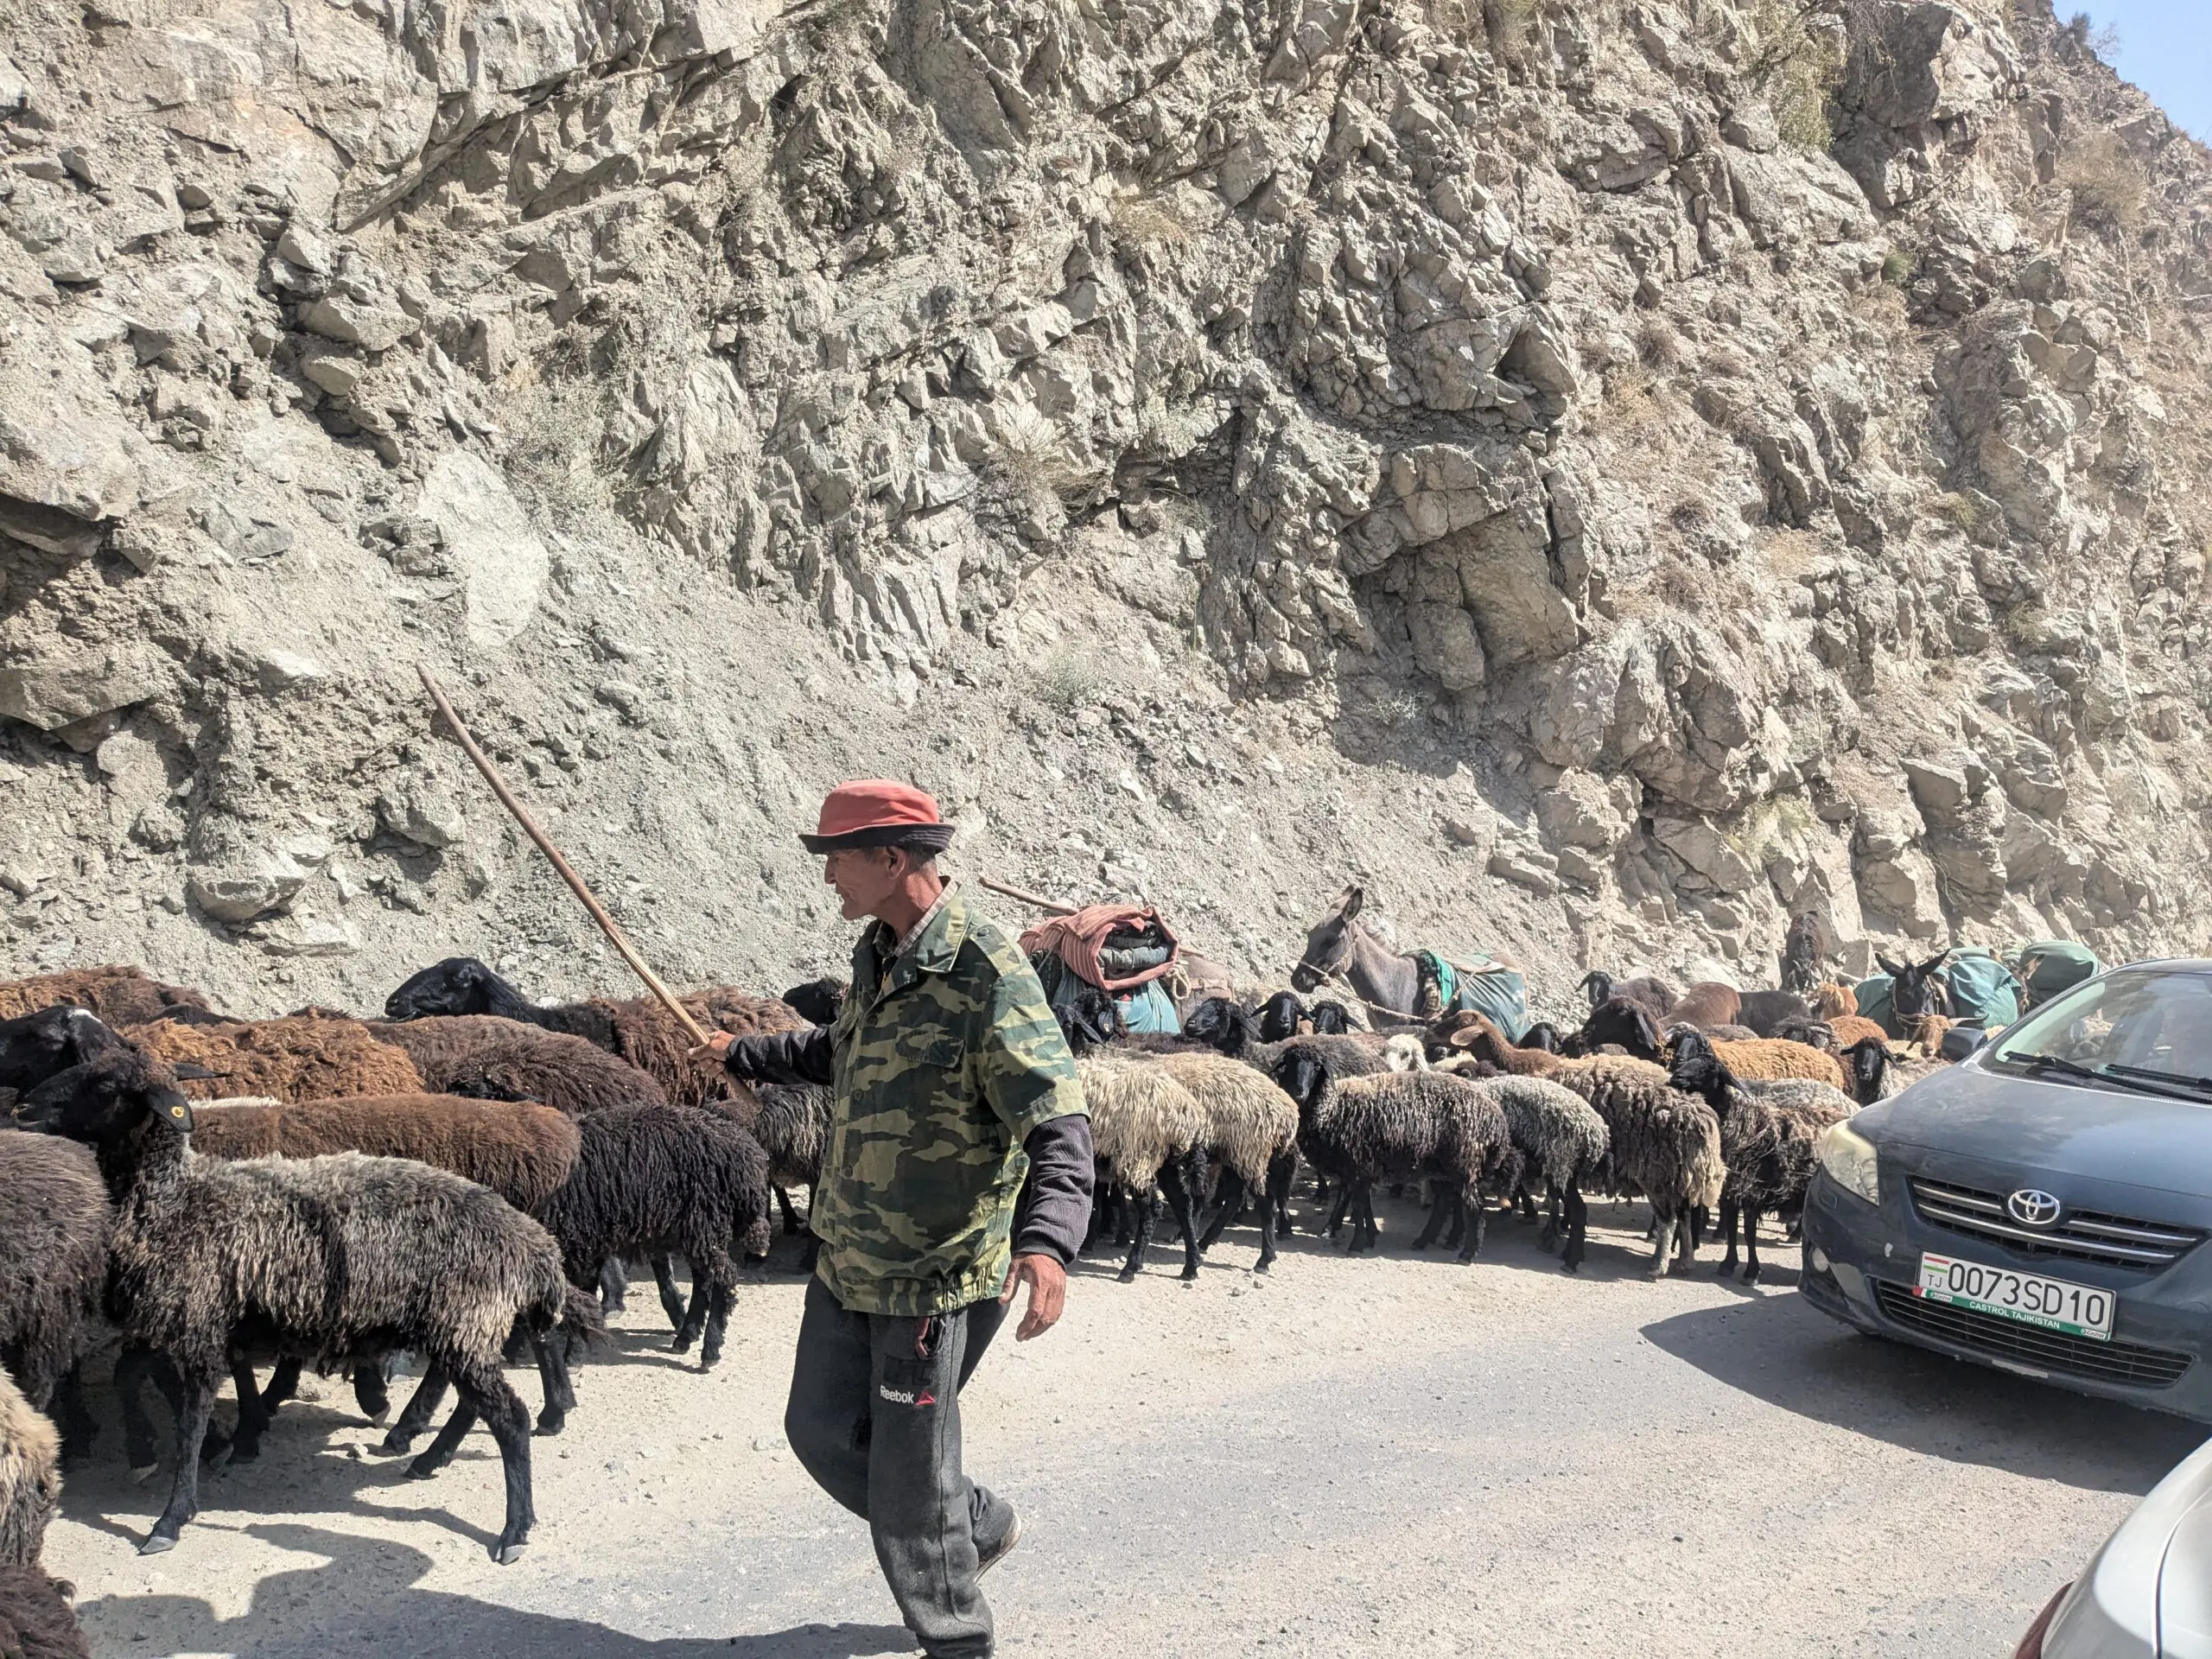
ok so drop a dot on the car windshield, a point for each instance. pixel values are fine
(2148, 1029)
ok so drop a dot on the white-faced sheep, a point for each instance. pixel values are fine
(300, 1056)
(640, 1030)
(55, 1221)
(1250, 1126)
(330, 1259)
(121, 997)
(1144, 1126)
(1767, 1138)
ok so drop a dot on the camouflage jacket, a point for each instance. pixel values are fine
(946, 1057)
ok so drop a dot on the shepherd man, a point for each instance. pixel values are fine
(957, 1169)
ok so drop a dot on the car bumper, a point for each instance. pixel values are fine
(1861, 1263)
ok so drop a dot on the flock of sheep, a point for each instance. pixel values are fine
(464, 1179)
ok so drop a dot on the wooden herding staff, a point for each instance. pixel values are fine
(607, 924)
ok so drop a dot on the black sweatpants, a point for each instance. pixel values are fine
(874, 1416)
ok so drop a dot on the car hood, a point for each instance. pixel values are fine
(2148, 1590)
(2105, 1135)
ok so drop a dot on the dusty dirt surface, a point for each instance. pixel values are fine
(1391, 1455)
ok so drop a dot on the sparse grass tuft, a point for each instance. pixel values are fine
(1151, 221)
(2106, 182)
(1068, 677)
(1796, 54)
(1898, 265)
(554, 454)
(1964, 513)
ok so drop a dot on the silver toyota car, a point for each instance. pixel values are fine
(2043, 1205)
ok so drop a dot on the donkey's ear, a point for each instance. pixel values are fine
(1934, 962)
(1348, 907)
(1894, 969)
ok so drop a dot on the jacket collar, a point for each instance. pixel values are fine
(934, 951)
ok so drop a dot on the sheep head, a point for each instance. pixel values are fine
(1279, 1017)
(457, 985)
(113, 1102)
(37, 1046)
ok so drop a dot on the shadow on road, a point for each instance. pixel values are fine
(1782, 1350)
(371, 1603)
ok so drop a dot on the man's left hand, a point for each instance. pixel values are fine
(1048, 1293)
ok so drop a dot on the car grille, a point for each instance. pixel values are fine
(2082, 1235)
(2026, 1345)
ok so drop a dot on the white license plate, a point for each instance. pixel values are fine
(2078, 1310)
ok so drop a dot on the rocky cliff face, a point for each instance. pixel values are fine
(1614, 475)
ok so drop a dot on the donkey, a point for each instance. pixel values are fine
(1337, 949)
(1914, 988)
(1805, 949)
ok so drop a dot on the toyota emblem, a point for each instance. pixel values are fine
(2031, 1208)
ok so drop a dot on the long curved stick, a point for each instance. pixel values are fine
(607, 924)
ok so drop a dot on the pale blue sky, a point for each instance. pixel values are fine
(2165, 47)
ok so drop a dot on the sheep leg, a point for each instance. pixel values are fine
(1470, 1201)
(1662, 1229)
(1686, 1240)
(720, 1295)
(372, 1392)
(1142, 1239)
(1371, 1228)
(613, 1285)
(1750, 1214)
(198, 1386)
(552, 1354)
(440, 1451)
(1729, 1212)
(1440, 1211)
(1338, 1209)
(78, 1428)
(1577, 1227)
(1547, 1239)
(789, 1215)
(283, 1384)
(1174, 1180)
(693, 1319)
(1282, 1175)
(132, 1366)
(419, 1410)
(671, 1299)
(253, 1416)
(1231, 1194)
(504, 1415)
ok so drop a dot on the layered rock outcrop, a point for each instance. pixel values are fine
(1621, 474)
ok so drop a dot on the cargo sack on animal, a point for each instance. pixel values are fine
(2049, 967)
(1482, 985)
(1125, 950)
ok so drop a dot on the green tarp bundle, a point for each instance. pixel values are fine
(1981, 988)
(1500, 995)
(2049, 966)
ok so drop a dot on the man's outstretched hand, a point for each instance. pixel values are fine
(1048, 1294)
(716, 1048)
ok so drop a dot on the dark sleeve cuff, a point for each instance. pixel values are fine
(1054, 1211)
(785, 1056)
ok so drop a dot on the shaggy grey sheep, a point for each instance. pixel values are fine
(1144, 1125)
(56, 1222)
(1767, 1137)
(792, 1124)
(1250, 1126)
(1561, 1138)
(331, 1259)
(30, 1477)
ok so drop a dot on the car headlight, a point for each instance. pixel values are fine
(1850, 1160)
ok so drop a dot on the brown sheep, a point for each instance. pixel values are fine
(1850, 1028)
(36, 1621)
(300, 1056)
(640, 1030)
(121, 997)
(1833, 1002)
(521, 1150)
(30, 1477)
(1764, 1058)
(492, 1059)
(1706, 1003)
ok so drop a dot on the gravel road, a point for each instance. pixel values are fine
(1391, 1455)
